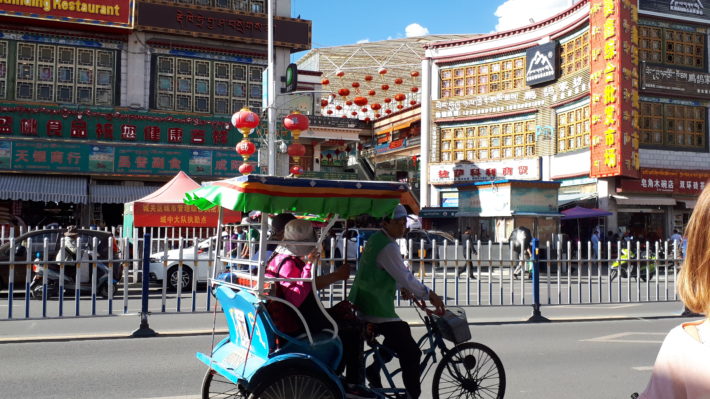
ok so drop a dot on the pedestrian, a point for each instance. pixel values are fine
(380, 272)
(682, 368)
(469, 250)
(676, 237)
(595, 243)
(520, 241)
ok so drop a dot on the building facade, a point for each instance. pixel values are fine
(100, 104)
(607, 98)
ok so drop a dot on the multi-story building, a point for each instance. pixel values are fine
(608, 98)
(101, 103)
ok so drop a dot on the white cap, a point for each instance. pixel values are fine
(400, 212)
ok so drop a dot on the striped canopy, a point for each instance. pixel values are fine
(272, 194)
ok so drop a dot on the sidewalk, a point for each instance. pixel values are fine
(117, 327)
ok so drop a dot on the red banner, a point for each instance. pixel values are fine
(614, 88)
(179, 215)
(668, 181)
(114, 13)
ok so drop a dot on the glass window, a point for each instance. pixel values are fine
(672, 46)
(574, 54)
(491, 142)
(487, 78)
(573, 129)
(672, 126)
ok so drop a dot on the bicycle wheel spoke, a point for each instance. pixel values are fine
(470, 370)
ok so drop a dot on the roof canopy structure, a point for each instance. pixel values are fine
(374, 72)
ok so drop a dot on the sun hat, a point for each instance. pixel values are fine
(297, 231)
(400, 212)
(71, 231)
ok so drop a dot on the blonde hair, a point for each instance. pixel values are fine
(694, 277)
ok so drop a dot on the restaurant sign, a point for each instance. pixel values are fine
(451, 173)
(673, 81)
(83, 158)
(106, 13)
(667, 181)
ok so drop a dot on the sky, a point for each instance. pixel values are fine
(338, 22)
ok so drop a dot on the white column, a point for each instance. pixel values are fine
(137, 63)
(424, 188)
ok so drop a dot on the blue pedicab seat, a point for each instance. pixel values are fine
(250, 351)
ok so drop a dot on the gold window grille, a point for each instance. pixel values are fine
(574, 54)
(672, 47)
(206, 86)
(672, 126)
(506, 140)
(491, 77)
(50, 73)
(573, 129)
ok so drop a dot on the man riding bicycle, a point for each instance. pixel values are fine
(380, 273)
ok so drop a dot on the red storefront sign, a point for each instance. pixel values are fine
(113, 13)
(682, 182)
(614, 88)
(179, 215)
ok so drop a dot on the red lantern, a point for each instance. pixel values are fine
(400, 106)
(359, 146)
(348, 103)
(338, 107)
(399, 97)
(375, 106)
(412, 102)
(329, 112)
(364, 109)
(344, 116)
(367, 119)
(296, 122)
(371, 93)
(414, 74)
(323, 103)
(398, 81)
(354, 113)
(245, 168)
(296, 170)
(368, 78)
(245, 120)
(325, 82)
(388, 111)
(387, 100)
(377, 115)
(415, 89)
(385, 87)
(296, 150)
(245, 148)
(340, 74)
(355, 85)
(360, 101)
(344, 92)
(382, 71)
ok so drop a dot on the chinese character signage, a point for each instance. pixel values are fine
(614, 88)
(541, 63)
(673, 81)
(179, 215)
(107, 13)
(520, 169)
(34, 155)
(668, 181)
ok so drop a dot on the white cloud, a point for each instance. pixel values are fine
(514, 14)
(414, 29)
(363, 41)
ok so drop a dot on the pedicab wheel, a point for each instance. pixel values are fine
(469, 370)
(290, 383)
(216, 386)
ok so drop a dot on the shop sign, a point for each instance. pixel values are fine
(288, 32)
(686, 8)
(519, 169)
(534, 98)
(450, 199)
(126, 127)
(385, 146)
(667, 181)
(674, 81)
(614, 87)
(107, 13)
(46, 156)
(541, 63)
(179, 215)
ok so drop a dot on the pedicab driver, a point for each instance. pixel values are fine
(381, 272)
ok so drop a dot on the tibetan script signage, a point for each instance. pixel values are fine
(108, 13)
(614, 88)
(519, 169)
(673, 81)
(668, 181)
(685, 8)
(288, 32)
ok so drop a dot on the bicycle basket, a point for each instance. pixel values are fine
(454, 326)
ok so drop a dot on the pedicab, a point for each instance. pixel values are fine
(256, 360)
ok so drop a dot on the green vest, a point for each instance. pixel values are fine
(373, 291)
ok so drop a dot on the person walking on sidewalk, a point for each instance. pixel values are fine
(380, 273)
(682, 368)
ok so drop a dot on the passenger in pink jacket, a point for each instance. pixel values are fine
(682, 368)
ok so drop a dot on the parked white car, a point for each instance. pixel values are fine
(191, 267)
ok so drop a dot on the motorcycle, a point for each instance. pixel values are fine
(627, 265)
(70, 283)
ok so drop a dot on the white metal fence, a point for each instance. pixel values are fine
(470, 274)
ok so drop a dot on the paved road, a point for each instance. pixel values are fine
(599, 351)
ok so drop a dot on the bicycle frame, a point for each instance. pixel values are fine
(432, 337)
